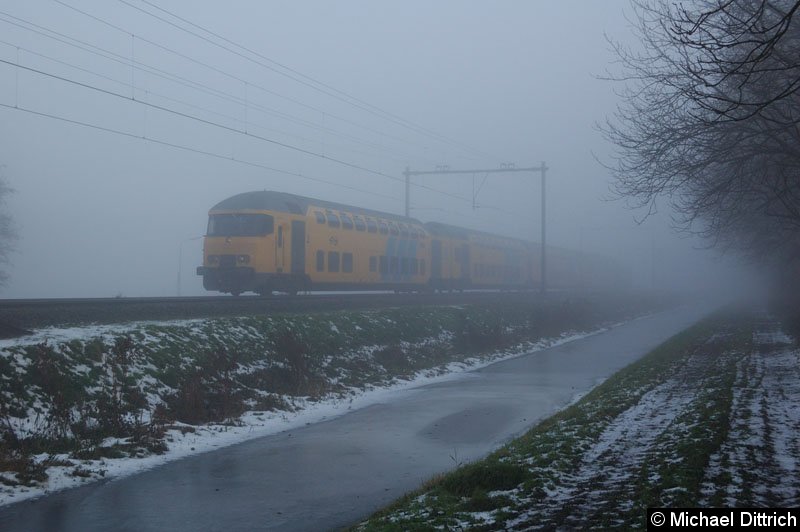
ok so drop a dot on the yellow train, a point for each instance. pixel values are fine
(273, 241)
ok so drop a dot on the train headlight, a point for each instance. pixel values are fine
(243, 259)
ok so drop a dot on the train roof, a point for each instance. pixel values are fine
(451, 231)
(461, 233)
(268, 200)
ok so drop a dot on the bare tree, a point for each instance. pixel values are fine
(8, 234)
(710, 120)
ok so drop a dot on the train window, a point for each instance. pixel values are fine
(475, 270)
(384, 228)
(404, 265)
(414, 232)
(414, 266)
(372, 227)
(384, 264)
(333, 220)
(422, 266)
(333, 261)
(347, 262)
(347, 222)
(360, 225)
(320, 261)
(393, 264)
(373, 264)
(240, 225)
(320, 217)
(393, 229)
(404, 230)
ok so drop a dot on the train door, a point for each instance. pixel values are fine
(298, 247)
(436, 259)
(279, 249)
(464, 263)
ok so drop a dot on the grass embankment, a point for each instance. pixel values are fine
(709, 418)
(125, 391)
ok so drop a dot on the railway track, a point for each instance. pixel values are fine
(17, 316)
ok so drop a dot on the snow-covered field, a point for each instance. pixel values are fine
(183, 440)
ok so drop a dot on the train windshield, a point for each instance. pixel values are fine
(240, 225)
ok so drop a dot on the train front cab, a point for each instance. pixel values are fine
(258, 251)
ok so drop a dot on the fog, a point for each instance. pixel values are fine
(114, 172)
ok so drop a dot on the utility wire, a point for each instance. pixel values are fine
(111, 56)
(227, 128)
(300, 77)
(233, 98)
(189, 149)
(233, 76)
(181, 102)
(212, 154)
(224, 157)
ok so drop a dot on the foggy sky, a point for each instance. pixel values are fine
(100, 214)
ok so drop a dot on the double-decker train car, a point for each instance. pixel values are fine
(273, 241)
(474, 259)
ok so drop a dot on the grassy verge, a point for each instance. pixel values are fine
(673, 429)
(99, 393)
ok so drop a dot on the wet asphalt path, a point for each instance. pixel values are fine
(331, 474)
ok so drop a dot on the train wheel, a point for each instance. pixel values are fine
(264, 291)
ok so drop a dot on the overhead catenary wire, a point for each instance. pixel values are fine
(190, 149)
(175, 100)
(106, 54)
(218, 156)
(233, 76)
(300, 77)
(215, 155)
(226, 128)
(230, 98)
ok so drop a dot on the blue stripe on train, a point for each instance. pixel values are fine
(391, 245)
(402, 245)
(399, 248)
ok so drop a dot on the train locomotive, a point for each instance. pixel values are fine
(268, 242)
